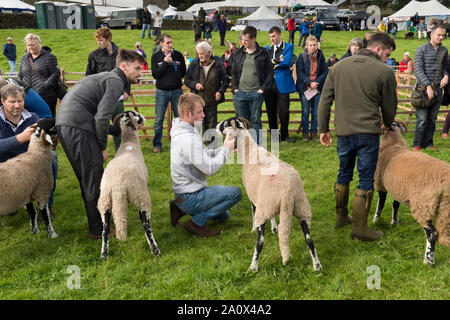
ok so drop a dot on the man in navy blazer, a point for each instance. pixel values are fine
(277, 97)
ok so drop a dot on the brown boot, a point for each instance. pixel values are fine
(313, 136)
(305, 137)
(203, 232)
(361, 208)
(341, 195)
(175, 213)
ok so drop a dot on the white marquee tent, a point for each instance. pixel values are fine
(428, 9)
(262, 19)
(15, 6)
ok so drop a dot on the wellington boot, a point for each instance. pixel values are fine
(341, 195)
(361, 208)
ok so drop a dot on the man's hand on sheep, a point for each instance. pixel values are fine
(105, 155)
(25, 135)
(326, 139)
(229, 142)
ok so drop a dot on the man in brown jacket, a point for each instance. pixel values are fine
(361, 86)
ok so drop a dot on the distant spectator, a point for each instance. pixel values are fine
(332, 60)
(222, 25)
(157, 24)
(421, 29)
(415, 19)
(226, 56)
(9, 51)
(142, 53)
(207, 29)
(216, 18)
(201, 15)
(392, 28)
(156, 45)
(291, 28)
(406, 63)
(366, 39)
(317, 30)
(187, 59)
(304, 32)
(146, 23)
(382, 26)
(197, 27)
(430, 27)
(353, 47)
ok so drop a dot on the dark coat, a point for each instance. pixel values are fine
(146, 17)
(303, 72)
(263, 63)
(47, 65)
(193, 76)
(9, 51)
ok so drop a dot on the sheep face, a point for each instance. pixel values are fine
(394, 133)
(130, 119)
(45, 130)
(230, 125)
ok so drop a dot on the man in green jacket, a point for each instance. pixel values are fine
(361, 86)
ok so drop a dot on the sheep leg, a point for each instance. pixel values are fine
(431, 242)
(258, 248)
(105, 235)
(380, 205)
(316, 263)
(148, 233)
(45, 213)
(33, 218)
(253, 215)
(273, 224)
(395, 206)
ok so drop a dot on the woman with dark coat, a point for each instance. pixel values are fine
(39, 70)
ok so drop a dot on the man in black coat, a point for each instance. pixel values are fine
(146, 23)
(83, 125)
(207, 77)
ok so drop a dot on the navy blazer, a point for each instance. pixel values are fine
(303, 70)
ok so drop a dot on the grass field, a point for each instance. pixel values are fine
(36, 267)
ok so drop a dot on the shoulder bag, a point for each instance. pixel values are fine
(60, 87)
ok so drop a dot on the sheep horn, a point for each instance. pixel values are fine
(403, 123)
(247, 123)
(117, 118)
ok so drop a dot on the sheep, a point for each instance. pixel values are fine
(125, 180)
(417, 180)
(28, 177)
(270, 192)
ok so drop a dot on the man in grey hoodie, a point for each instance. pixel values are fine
(190, 164)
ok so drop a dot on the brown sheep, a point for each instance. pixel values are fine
(417, 180)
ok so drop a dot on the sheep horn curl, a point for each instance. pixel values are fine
(117, 118)
(402, 123)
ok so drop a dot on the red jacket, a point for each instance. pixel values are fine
(291, 24)
(405, 64)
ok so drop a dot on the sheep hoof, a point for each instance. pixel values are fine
(429, 261)
(394, 222)
(53, 235)
(254, 268)
(376, 217)
(104, 256)
(317, 267)
(156, 252)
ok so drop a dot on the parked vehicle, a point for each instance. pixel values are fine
(299, 16)
(180, 15)
(125, 18)
(329, 19)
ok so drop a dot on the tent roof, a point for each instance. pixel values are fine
(427, 8)
(263, 13)
(15, 4)
(314, 3)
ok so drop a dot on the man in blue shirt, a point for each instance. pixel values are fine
(9, 51)
(304, 32)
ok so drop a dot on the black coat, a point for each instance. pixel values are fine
(47, 65)
(146, 17)
(263, 63)
(193, 76)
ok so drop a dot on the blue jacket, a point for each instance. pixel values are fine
(9, 146)
(222, 25)
(282, 70)
(9, 51)
(317, 31)
(303, 70)
(304, 28)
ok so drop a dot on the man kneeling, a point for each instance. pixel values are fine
(190, 164)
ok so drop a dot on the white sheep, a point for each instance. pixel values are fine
(273, 187)
(28, 177)
(125, 180)
(417, 180)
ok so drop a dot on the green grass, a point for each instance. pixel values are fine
(35, 267)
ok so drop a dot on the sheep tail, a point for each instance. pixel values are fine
(443, 220)
(120, 212)
(284, 230)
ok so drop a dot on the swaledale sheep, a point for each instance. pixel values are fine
(273, 187)
(28, 177)
(125, 180)
(417, 180)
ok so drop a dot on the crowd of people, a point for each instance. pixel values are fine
(257, 74)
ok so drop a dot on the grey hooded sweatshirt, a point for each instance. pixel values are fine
(190, 161)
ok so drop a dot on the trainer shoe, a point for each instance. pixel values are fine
(416, 149)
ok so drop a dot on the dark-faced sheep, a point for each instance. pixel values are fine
(125, 180)
(417, 180)
(273, 187)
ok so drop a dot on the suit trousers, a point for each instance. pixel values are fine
(278, 102)
(85, 156)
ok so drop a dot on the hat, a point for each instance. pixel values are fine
(406, 53)
(333, 55)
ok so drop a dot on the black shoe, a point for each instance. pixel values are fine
(12, 214)
(291, 140)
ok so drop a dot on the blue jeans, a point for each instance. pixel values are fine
(51, 200)
(248, 105)
(146, 26)
(310, 106)
(162, 98)
(12, 65)
(363, 146)
(210, 203)
(426, 124)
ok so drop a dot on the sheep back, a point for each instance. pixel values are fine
(25, 178)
